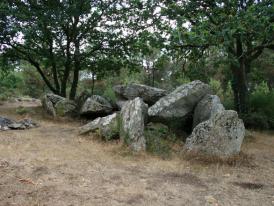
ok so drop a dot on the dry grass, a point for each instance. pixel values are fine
(52, 165)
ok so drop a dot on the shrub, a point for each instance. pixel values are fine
(228, 100)
(261, 104)
(22, 110)
(216, 87)
(109, 93)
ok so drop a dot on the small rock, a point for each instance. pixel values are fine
(210, 199)
(226, 175)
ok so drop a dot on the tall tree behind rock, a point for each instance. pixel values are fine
(240, 29)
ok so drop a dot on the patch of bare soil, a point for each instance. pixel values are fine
(53, 166)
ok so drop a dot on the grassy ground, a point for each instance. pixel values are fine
(52, 165)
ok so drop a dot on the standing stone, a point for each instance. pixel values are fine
(222, 135)
(48, 106)
(108, 127)
(207, 108)
(96, 105)
(129, 92)
(179, 103)
(133, 116)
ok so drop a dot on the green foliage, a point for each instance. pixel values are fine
(216, 87)
(22, 110)
(10, 85)
(227, 100)
(108, 91)
(127, 76)
(261, 108)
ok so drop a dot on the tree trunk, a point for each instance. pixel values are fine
(67, 71)
(93, 82)
(77, 68)
(153, 76)
(239, 86)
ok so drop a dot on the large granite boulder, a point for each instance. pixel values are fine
(221, 135)
(65, 107)
(179, 103)
(207, 108)
(149, 94)
(107, 127)
(96, 106)
(133, 117)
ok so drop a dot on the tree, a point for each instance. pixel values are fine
(61, 37)
(240, 29)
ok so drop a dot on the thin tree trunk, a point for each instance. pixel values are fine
(240, 90)
(93, 82)
(77, 68)
(67, 71)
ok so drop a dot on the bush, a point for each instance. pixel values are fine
(216, 87)
(228, 100)
(256, 121)
(261, 104)
(22, 110)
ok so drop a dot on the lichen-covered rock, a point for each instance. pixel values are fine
(133, 117)
(5, 121)
(222, 135)
(65, 107)
(6, 124)
(179, 103)
(54, 98)
(149, 94)
(48, 106)
(96, 106)
(207, 108)
(107, 127)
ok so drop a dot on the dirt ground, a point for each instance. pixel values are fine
(52, 165)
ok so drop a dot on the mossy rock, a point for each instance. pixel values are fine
(65, 108)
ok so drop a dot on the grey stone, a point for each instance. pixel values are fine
(5, 121)
(221, 135)
(48, 106)
(133, 117)
(107, 127)
(54, 98)
(120, 103)
(207, 108)
(179, 103)
(17, 126)
(6, 124)
(65, 107)
(149, 94)
(96, 105)
(28, 123)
